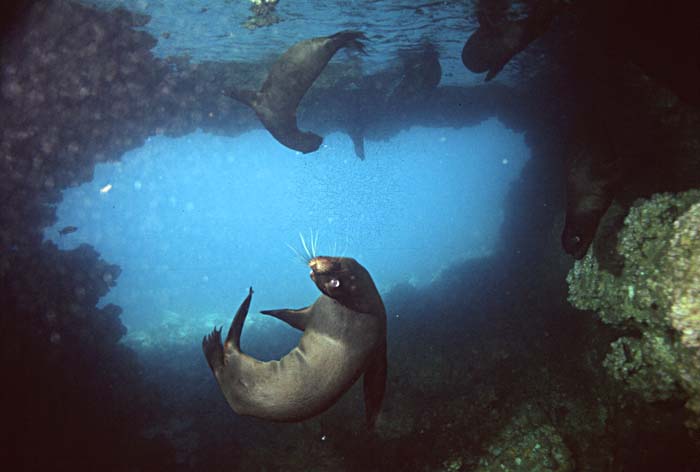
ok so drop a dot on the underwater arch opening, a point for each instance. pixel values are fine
(194, 221)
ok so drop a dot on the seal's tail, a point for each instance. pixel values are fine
(351, 39)
(211, 344)
(233, 339)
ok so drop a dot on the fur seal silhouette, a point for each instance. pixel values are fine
(588, 197)
(288, 80)
(593, 175)
(495, 42)
(344, 337)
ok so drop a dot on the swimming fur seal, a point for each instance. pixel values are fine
(593, 175)
(344, 337)
(588, 197)
(496, 41)
(288, 80)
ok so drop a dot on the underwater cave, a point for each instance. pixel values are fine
(497, 203)
(194, 220)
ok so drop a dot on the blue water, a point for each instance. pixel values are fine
(194, 221)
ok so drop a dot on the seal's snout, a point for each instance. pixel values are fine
(320, 264)
(325, 272)
(327, 265)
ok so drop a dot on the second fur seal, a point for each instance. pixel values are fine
(287, 82)
(344, 338)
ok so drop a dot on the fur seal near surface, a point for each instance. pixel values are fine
(344, 337)
(288, 80)
(496, 41)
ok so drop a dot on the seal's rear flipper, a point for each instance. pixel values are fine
(294, 318)
(233, 339)
(374, 386)
(213, 350)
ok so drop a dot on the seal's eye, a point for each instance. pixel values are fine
(335, 283)
(577, 240)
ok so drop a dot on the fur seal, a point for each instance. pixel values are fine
(288, 80)
(588, 198)
(495, 42)
(344, 337)
(593, 175)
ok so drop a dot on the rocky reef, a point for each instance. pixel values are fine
(527, 444)
(654, 300)
(262, 14)
(69, 387)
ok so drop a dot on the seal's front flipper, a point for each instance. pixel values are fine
(374, 386)
(233, 339)
(349, 39)
(213, 350)
(493, 72)
(295, 318)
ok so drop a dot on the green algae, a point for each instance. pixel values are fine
(655, 300)
(527, 444)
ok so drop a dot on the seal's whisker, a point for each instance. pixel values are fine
(306, 248)
(311, 242)
(314, 243)
(296, 253)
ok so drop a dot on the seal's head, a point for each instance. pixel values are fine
(346, 281)
(589, 194)
(577, 236)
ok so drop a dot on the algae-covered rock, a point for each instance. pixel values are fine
(527, 444)
(656, 298)
(646, 366)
